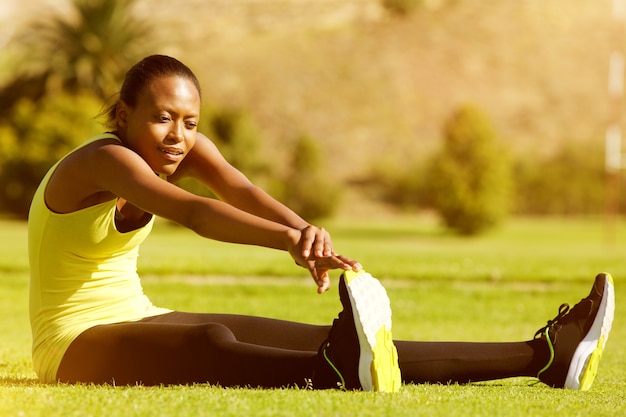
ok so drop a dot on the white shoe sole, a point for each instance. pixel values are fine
(584, 364)
(378, 359)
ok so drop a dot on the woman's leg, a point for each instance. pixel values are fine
(256, 330)
(233, 350)
(162, 353)
(230, 349)
(463, 362)
(564, 353)
(420, 362)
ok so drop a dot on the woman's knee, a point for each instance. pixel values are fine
(210, 334)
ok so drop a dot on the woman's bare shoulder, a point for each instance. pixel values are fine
(73, 186)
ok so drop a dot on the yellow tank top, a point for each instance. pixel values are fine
(83, 273)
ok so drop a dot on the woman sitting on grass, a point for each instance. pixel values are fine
(92, 323)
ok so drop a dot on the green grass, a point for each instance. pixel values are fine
(500, 287)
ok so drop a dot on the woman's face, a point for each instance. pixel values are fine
(162, 126)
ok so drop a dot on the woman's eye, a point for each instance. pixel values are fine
(191, 125)
(164, 118)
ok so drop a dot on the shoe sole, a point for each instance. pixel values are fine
(584, 365)
(378, 359)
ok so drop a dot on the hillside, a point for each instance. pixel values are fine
(381, 88)
(376, 89)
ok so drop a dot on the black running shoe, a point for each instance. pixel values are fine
(576, 338)
(359, 352)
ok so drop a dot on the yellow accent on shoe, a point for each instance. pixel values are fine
(350, 275)
(384, 368)
(591, 367)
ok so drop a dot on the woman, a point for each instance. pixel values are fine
(92, 323)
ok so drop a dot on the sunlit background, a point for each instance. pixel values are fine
(321, 101)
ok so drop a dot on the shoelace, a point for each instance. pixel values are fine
(564, 309)
(342, 383)
(545, 331)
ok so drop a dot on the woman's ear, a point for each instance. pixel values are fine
(121, 113)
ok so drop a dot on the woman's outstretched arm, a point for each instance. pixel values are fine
(116, 169)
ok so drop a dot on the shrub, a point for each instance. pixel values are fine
(399, 185)
(470, 177)
(571, 181)
(238, 139)
(307, 189)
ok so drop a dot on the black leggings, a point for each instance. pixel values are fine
(236, 350)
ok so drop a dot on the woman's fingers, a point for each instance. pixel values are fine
(314, 251)
(337, 262)
(319, 268)
(316, 241)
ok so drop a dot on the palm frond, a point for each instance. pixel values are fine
(89, 49)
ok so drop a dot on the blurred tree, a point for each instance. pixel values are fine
(239, 139)
(90, 49)
(570, 181)
(307, 189)
(470, 178)
(36, 135)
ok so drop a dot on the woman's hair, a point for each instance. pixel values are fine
(142, 74)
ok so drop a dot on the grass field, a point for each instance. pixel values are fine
(499, 287)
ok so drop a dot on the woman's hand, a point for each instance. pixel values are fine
(312, 249)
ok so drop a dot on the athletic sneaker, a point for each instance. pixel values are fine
(359, 352)
(576, 338)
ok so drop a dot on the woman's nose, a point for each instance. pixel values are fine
(177, 132)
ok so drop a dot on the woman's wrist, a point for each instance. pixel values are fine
(292, 238)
